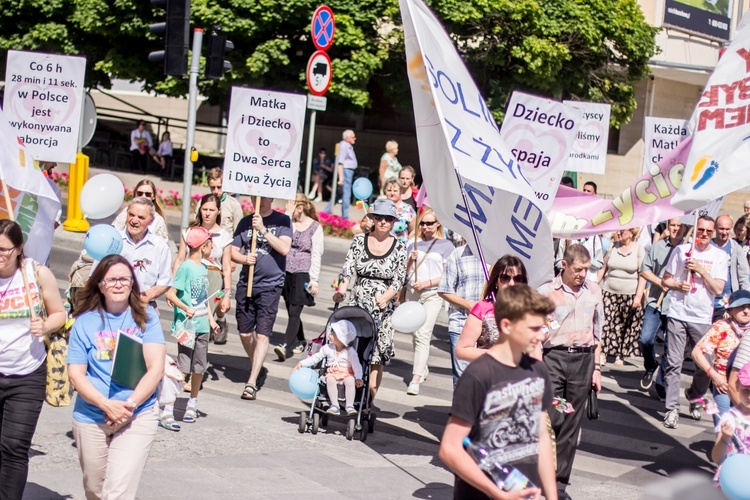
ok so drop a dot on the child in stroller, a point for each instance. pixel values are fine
(343, 366)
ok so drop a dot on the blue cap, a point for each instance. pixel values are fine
(739, 298)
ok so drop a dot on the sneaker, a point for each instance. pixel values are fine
(350, 410)
(333, 410)
(671, 419)
(424, 375)
(191, 414)
(413, 389)
(648, 380)
(299, 349)
(696, 406)
(280, 351)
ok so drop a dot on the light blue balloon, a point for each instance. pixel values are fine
(362, 188)
(102, 240)
(304, 383)
(733, 477)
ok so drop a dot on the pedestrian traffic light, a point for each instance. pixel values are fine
(176, 32)
(218, 46)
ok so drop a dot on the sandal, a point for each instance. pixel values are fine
(249, 392)
(168, 422)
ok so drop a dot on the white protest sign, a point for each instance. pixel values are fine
(43, 102)
(540, 134)
(710, 210)
(589, 152)
(661, 136)
(264, 141)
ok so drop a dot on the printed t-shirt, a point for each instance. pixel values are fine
(270, 266)
(92, 343)
(504, 404)
(699, 306)
(485, 311)
(191, 283)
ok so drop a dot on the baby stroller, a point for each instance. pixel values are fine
(364, 420)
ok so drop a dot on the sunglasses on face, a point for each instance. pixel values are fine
(146, 194)
(428, 223)
(381, 218)
(505, 278)
(702, 230)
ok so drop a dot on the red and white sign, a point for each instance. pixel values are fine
(323, 27)
(43, 102)
(319, 73)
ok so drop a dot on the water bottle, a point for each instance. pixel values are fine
(505, 476)
(308, 288)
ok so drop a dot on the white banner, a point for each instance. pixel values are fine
(540, 133)
(711, 210)
(718, 161)
(660, 137)
(264, 141)
(455, 129)
(44, 101)
(589, 155)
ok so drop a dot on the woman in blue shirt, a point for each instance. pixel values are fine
(113, 426)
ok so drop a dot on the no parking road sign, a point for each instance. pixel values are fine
(319, 73)
(323, 27)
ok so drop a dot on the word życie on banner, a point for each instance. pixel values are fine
(540, 133)
(34, 203)
(578, 215)
(455, 129)
(718, 160)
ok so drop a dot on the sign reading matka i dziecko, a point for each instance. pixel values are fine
(43, 102)
(264, 142)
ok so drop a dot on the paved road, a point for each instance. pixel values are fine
(242, 449)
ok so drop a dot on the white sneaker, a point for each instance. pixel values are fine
(413, 389)
(671, 419)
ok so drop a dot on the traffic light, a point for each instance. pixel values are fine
(176, 32)
(218, 45)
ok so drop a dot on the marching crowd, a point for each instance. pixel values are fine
(526, 363)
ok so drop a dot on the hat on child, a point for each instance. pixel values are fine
(744, 375)
(345, 331)
(197, 236)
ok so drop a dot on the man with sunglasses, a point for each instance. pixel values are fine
(695, 276)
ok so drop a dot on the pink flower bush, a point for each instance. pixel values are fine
(335, 225)
(61, 179)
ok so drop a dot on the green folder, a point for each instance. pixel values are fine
(128, 365)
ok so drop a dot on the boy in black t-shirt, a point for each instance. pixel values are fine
(498, 404)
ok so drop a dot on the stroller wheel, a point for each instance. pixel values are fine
(315, 423)
(324, 420)
(363, 434)
(350, 429)
(371, 422)
(302, 422)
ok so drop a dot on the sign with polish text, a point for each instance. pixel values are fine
(660, 137)
(44, 101)
(264, 142)
(589, 152)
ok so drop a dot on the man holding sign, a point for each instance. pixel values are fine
(257, 314)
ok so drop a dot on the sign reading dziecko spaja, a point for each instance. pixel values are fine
(264, 141)
(43, 102)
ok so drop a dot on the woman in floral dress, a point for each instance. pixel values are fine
(376, 261)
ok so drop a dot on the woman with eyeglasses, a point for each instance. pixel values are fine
(480, 330)
(424, 270)
(622, 294)
(113, 425)
(377, 262)
(26, 288)
(146, 189)
(209, 217)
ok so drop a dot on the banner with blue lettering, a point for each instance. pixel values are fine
(717, 164)
(264, 142)
(456, 132)
(540, 133)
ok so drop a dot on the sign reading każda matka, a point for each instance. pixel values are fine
(264, 142)
(43, 102)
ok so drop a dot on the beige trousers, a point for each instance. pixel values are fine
(113, 458)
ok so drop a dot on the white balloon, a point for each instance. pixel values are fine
(409, 317)
(102, 196)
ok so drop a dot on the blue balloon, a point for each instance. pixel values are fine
(102, 240)
(304, 383)
(733, 477)
(362, 188)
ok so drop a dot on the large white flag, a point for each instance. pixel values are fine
(33, 201)
(718, 160)
(456, 128)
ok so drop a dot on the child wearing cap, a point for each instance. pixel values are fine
(734, 427)
(343, 364)
(719, 342)
(189, 294)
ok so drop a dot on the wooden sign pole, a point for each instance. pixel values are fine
(253, 244)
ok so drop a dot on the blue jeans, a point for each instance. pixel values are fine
(346, 197)
(723, 403)
(457, 365)
(653, 321)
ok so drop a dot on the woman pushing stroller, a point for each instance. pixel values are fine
(343, 366)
